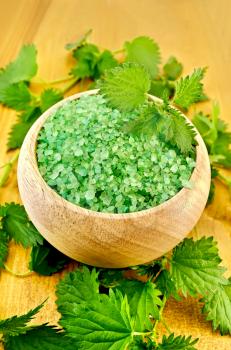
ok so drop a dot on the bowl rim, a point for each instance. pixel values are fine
(31, 140)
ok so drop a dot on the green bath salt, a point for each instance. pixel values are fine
(85, 156)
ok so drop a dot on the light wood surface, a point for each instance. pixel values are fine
(104, 239)
(198, 32)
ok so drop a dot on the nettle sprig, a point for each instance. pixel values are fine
(102, 309)
(126, 87)
(18, 78)
(15, 226)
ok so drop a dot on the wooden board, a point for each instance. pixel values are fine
(198, 32)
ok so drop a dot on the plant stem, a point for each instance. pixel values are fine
(142, 333)
(225, 180)
(165, 325)
(70, 85)
(61, 80)
(42, 81)
(25, 274)
(154, 332)
(118, 51)
(7, 169)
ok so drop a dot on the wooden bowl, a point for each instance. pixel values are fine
(104, 239)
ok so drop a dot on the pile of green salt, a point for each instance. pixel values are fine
(85, 156)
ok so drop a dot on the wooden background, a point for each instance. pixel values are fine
(198, 32)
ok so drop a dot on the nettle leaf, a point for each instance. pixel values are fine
(204, 126)
(139, 344)
(110, 277)
(144, 301)
(17, 226)
(20, 129)
(22, 69)
(172, 68)
(16, 325)
(87, 58)
(166, 285)
(216, 136)
(160, 87)
(49, 97)
(177, 343)
(146, 52)
(125, 86)
(46, 260)
(195, 267)
(105, 61)
(95, 321)
(39, 338)
(189, 89)
(77, 287)
(179, 132)
(16, 96)
(101, 324)
(4, 241)
(218, 308)
(150, 122)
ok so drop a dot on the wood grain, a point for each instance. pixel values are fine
(198, 32)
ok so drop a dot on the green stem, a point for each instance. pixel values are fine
(61, 80)
(165, 325)
(118, 51)
(141, 333)
(42, 81)
(154, 332)
(25, 274)
(70, 85)
(7, 169)
(225, 180)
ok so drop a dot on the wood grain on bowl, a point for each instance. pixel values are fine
(104, 239)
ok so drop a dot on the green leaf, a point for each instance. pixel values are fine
(40, 338)
(144, 51)
(144, 300)
(20, 129)
(80, 286)
(189, 89)
(17, 226)
(110, 277)
(4, 241)
(149, 270)
(16, 96)
(100, 324)
(218, 308)
(49, 97)
(79, 42)
(214, 174)
(22, 69)
(18, 324)
(172, 68)
(205, 128)
(195, 267)
(87, 58)
(179, 132)
(166, 285)
(142, 344)
(164, 121)
(159, 87)
(216, 136)
(105, 61)
(125, 87)
(46, 260)
(177, 343)
(150, 122)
